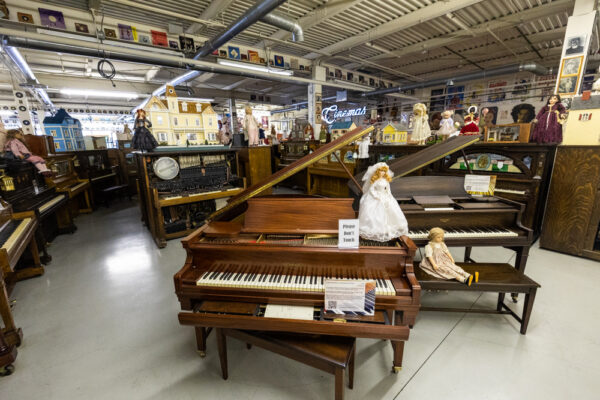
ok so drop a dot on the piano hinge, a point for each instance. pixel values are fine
(340, 320)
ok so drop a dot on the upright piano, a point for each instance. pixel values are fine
(441, 201)
(65, 180)
(259, 251)
(95, 165)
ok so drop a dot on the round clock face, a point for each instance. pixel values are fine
(166, 168)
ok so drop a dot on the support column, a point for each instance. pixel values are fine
(23, 111)
(575, 48)
(315, 102)
(232, 116)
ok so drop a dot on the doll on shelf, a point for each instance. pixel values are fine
(15, 147)
(471, 123)
(438, 261)
(446, 125)
(250, 128)
(421, 130)
(549, 120)
(142, 138)
(380, 217)
(309, 132)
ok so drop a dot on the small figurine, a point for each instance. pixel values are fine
(15, 146)
(323, 134)
(447, 125)
(421, 130)
(363, 147)
(438, 261)
(224, 135)
(548, 127)
(127, 132)
(142, 138)
(471, 123)
(380, 217)
(250, 128)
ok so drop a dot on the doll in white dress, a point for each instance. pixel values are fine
(439, 263)
(421, 130)
(447, 125)
(380, 217)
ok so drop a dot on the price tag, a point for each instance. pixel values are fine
(348, 234)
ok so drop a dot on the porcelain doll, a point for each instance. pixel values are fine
(421, 130)
(142, 138)
(471, 126)
(447, 124)
(439, 263)
(549, 120)
(250, 127)
(16, 147)
(380, 217)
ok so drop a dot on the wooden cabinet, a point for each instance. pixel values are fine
(255, 164)
(327, 177)
(572, 215)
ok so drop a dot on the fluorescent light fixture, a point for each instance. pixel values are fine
(99, 93)
(253, 67)
(195, 100)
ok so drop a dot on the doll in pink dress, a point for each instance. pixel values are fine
(19, 150)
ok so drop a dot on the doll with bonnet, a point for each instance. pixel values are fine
(439, 263)
(380, 217)
(421, 130)
(471, 126)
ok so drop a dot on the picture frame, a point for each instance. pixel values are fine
(575, 45)
(110, 33)
(52, 18)
(25, 18)
(571, 66)
(81, 28)
(567, 84)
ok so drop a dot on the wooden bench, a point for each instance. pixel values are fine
(117, 189)
(493, 277)
(332, 354)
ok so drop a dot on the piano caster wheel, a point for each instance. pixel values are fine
(202, 353)
(46, 259)
(7, 370)
(395, 370)
(515, 298)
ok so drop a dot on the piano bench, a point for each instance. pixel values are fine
(493, 277)
(332, 354)
(119, 190)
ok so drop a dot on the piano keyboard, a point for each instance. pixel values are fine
(75, 187)
(464, 233)
(305, 279)
(50, 203)
(16, 234)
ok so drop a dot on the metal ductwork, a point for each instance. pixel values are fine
(509, 69)
(252, 15)
(285, 24)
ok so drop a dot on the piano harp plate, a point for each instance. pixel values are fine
(373, 328)
(217, 194)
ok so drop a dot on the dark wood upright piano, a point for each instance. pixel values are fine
(257, 251)
(65, 180)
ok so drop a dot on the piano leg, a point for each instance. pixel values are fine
(201, 336)
(8, 355)
(520, 264)
(527, 307)
(398, 347)
(12, 335)
(35, 270)
(41, 239)
(222, 347)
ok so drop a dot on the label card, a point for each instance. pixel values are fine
(348, 234)
(480, 185)
(350, 297)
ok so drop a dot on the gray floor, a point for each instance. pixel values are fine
(102, 324)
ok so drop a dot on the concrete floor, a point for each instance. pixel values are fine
(102, 324)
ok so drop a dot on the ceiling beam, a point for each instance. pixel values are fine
(508, 21)
(213, 10)
(434, 10)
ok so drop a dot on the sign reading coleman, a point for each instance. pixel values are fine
(330, 114)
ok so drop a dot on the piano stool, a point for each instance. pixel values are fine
(332, 354)
(120, 190)
(493, 277)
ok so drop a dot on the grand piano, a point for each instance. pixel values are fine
(441, 201)
(258, 251)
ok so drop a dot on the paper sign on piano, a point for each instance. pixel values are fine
(350, 297)
(480, 185)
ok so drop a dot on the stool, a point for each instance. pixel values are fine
(118, 189)
(332, 354)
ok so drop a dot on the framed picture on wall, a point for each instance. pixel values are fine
(575, 45)
(571, 66)
(567, 84)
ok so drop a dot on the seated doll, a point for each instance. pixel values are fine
(16, 148)
(438, 261)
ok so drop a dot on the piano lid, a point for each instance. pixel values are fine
(290, 170)
(413, 162)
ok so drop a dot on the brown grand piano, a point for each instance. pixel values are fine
(279, 251)
(430, 201)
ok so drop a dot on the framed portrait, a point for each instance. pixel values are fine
(338, 73)
(187, 44)
(279, 61)
(253, 56)
(173, 44)
(575, 45)
(571, 66)
(567, 84)
(223, 53)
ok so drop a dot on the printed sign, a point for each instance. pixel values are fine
(350, 297)
(348, 234)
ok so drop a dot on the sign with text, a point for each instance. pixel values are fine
(348, 234)
(350, 297)
(480, 185)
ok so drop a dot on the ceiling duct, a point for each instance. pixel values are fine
(508, 69)
(285, 24)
